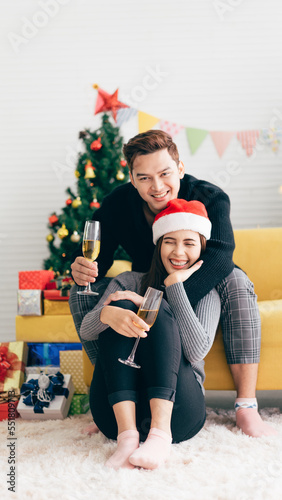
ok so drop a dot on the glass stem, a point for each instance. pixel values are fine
(88, 287)
(132, 354)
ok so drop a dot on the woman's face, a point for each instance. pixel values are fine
(180, 250)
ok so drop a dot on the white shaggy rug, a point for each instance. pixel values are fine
(54, 461)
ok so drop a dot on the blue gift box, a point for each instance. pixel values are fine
(44, 354)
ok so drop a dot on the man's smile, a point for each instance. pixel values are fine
(161, 195)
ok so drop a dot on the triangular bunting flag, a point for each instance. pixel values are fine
(195, 138)
(171, 128)
(248, 140)
(221, 141)
(124, 115)
(146, 122)
(271, 137)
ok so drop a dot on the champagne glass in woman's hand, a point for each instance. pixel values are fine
(91, 247)
(147, 311)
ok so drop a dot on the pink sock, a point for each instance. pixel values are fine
(249, 420)
(154, 452)
(127, 442)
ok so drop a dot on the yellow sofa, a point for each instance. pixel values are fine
(258, 253)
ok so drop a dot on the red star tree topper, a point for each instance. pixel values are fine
(108, 102)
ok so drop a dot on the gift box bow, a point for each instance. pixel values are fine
(9, 363)
(40, 392)
(61, 283)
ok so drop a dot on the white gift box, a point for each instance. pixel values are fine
(49, 369)
(57, 409)
(29, 302)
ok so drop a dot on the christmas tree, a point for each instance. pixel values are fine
(100, 169)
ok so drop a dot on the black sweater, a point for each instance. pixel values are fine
(123, 223)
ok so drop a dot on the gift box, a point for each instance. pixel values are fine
(46, 328)
(55, 295)
(13, 359)
(34, 280)
(79, 404)
(48, 370)
(59, 288)
(29, 302)
(8, 404)
(53, 402)
(52, 307)
(48, 354)
(71, 362)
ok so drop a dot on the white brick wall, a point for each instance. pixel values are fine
(221, 75)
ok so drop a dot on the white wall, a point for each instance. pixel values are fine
(222, 73)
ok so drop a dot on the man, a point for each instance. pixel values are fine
(126, 217)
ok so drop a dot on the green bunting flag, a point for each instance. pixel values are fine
(195, 138)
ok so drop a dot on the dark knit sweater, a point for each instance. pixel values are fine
(123, 223)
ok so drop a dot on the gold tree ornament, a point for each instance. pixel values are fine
(89, 170)
(77, 174)
(120, 175)
(49, 238)
(76, 203)
(75, 237)
(63, 232)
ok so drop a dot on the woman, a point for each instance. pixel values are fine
(164, 400)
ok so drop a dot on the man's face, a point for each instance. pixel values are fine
(156, 177)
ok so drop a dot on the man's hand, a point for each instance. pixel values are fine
(84, 271)
(124, 321)
(182, 275)
(125, 295)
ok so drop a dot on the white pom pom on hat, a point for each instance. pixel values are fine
(182, 214)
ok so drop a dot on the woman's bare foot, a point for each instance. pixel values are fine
(90, 429)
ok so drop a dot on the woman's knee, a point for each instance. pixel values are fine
(124, 304)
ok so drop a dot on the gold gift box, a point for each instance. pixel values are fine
(56, 307)
(71, 362)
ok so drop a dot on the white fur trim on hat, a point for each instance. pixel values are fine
(179, 221)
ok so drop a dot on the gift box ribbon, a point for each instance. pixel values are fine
(40, 398)
(9, 363)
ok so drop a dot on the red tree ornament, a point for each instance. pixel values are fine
(68, 201)
(96, 145)
(94, 204)
(108, 102)
(123, 163)
(53, 219)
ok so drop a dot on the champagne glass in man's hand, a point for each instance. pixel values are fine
(91, 247)
(147, 311)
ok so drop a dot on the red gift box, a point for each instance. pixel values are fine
(34, 280)
(55, 295)
(8, 410)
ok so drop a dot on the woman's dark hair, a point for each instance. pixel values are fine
(157, 272)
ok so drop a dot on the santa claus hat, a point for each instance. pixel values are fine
(182, 214)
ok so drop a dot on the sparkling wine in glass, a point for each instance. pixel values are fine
(148, 311)
(91, 247)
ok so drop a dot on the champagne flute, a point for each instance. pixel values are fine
(91, 247)
(148, 311)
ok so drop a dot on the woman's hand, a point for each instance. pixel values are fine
(182, 275)
(124, 321)
(125, 295)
